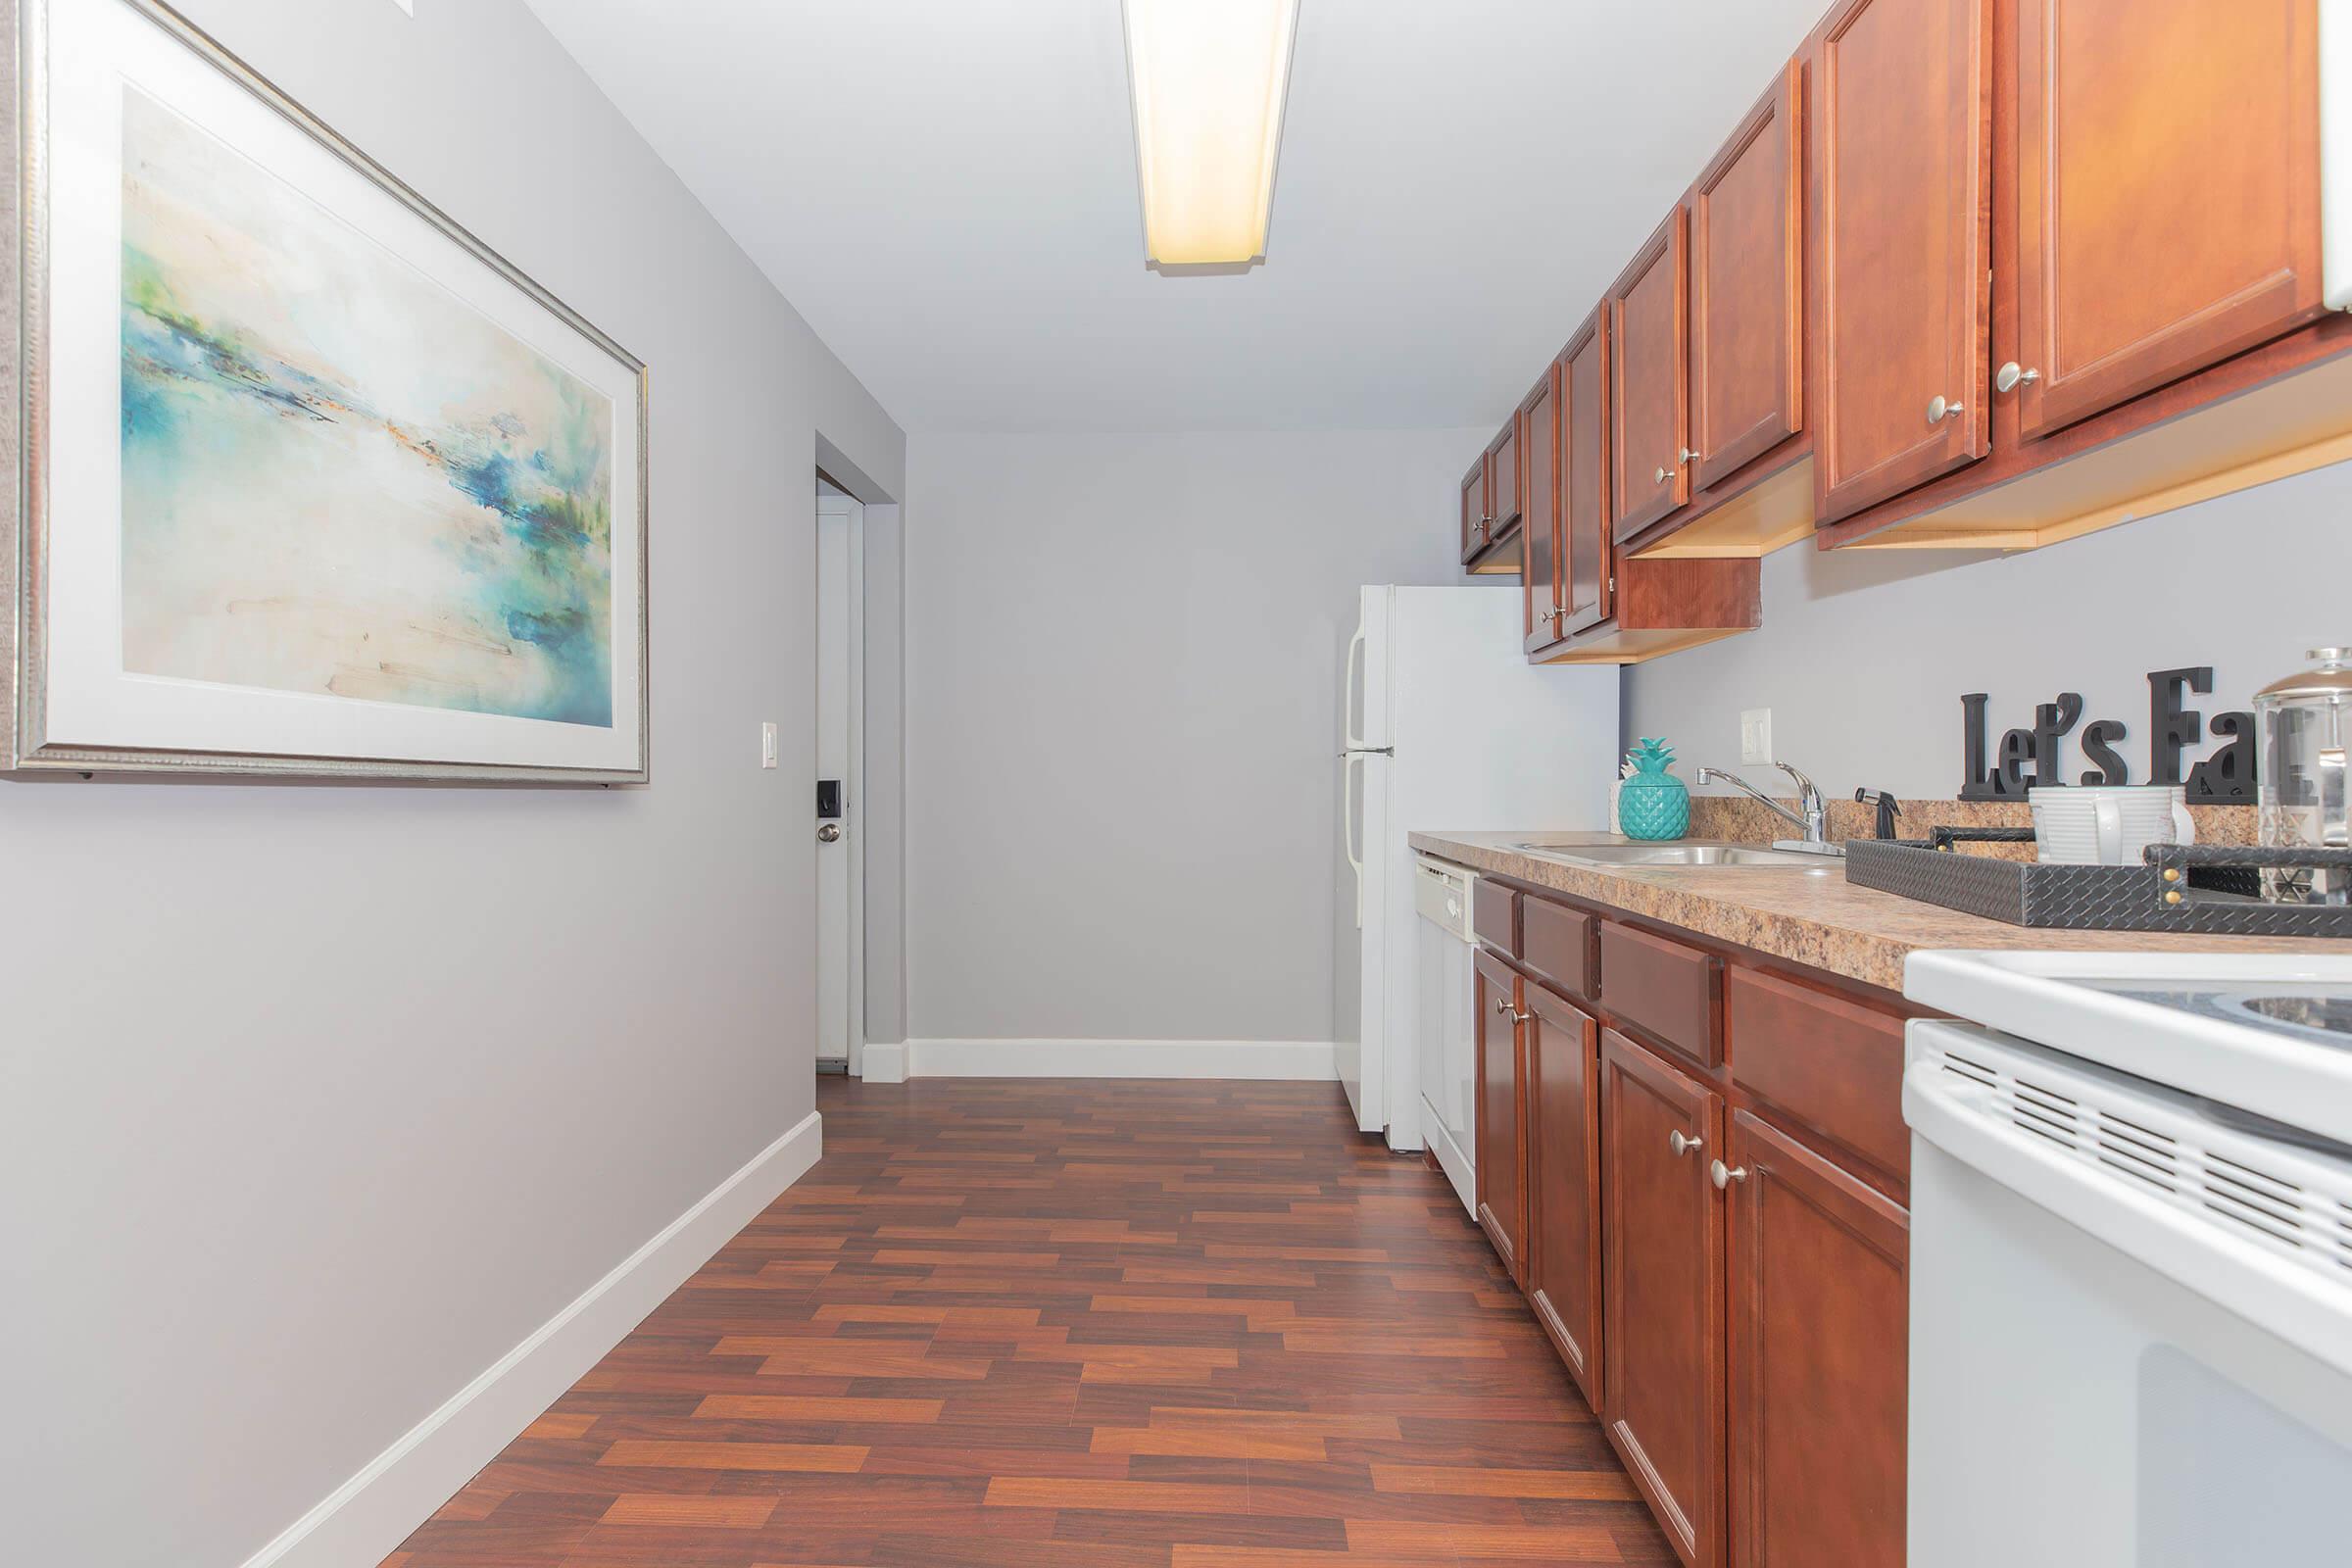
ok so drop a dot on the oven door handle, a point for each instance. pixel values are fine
(2194, 1248)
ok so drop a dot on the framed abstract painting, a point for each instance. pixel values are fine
(308, 480)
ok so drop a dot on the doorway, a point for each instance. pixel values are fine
(839, 793)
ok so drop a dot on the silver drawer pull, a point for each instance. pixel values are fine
(1723, 1175)
(1939, 410)
(1681, 1143)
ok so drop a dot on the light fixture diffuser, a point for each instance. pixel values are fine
(1207, 78)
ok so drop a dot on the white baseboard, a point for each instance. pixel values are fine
(884, 1064)
(1293, 1060)
(366, 1517)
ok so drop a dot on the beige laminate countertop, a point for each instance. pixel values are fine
(1809, 917)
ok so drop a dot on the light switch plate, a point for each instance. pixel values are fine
(1755, 735)
(767, 745)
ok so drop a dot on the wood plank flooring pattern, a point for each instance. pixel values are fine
(1096, 1324)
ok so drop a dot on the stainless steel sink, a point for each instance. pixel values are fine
(1687, 851)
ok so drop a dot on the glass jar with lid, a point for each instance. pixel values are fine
(2306, 725)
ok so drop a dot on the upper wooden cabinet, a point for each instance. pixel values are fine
(1902, 249)
(1539, 527)
(1493, 498)
(1505, 493)
(2167, 198)
(1747, 288)
(1587, 547)
(1478, 523)
(1650, 338)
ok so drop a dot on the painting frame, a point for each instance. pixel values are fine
(29, 519)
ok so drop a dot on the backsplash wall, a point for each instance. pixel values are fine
(1864, 654)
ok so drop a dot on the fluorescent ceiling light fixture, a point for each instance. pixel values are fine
(1207, 78)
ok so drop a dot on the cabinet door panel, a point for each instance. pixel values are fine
(1500, 1134)
(1650, 333)
(1505, 496)
(1818, 1271)
(1587, 546)
(1748, 286)
(1563, 1156)
(2167, 198)
(1539, 451)
(1478, 525)
(1662, 1327)
(1901, 146)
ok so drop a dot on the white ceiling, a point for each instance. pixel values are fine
(946, 189)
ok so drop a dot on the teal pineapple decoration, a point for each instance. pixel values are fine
(1653, 804)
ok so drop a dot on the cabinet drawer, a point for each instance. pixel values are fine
(1671, 991)
(1555, 946)
(1831, 1063)
(1494, 915)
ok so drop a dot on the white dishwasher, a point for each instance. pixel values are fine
(1443, 948)
(2131, 1299)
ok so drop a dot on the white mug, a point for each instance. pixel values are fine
(2108, 824)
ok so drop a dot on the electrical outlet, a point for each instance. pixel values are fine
(767, 745)
(1755, 735)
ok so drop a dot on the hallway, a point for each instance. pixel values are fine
(1101, 1323)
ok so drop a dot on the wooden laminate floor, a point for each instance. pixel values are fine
(1041, 1323)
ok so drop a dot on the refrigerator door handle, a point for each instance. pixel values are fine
(1356, 648)
(1347, 828)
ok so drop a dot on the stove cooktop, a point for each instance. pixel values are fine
(2316, 1011)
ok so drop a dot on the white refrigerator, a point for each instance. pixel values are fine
(1445, 726)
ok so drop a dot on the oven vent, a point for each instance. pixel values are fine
(2290, 1201)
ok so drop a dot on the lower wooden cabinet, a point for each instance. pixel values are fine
(1818, 1281)
(1500, 1134)
(1662, 1322)
(1701, 1223)
(1563, 1181)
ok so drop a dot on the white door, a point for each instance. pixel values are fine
(838, 851)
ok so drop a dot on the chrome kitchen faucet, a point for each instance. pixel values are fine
(1812, 818)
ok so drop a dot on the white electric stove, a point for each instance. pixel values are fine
(2130, 1259)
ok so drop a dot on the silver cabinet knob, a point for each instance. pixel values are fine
(1723, 1175)
(828, 832)
(1506, 1010)
(1690, 455)
(1939, 410)
(1681, 1143)
(1661, 476)
(2009, 377)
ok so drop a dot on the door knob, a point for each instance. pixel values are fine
(1723, 1175)
(2009, 377)
(1939, 410)
(1681, 1143)
(828, 832)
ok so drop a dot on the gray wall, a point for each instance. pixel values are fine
(1123, 669)
(314, 1102)
(885, 775)
(1863, 655)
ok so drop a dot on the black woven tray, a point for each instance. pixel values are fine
(2190, 888)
